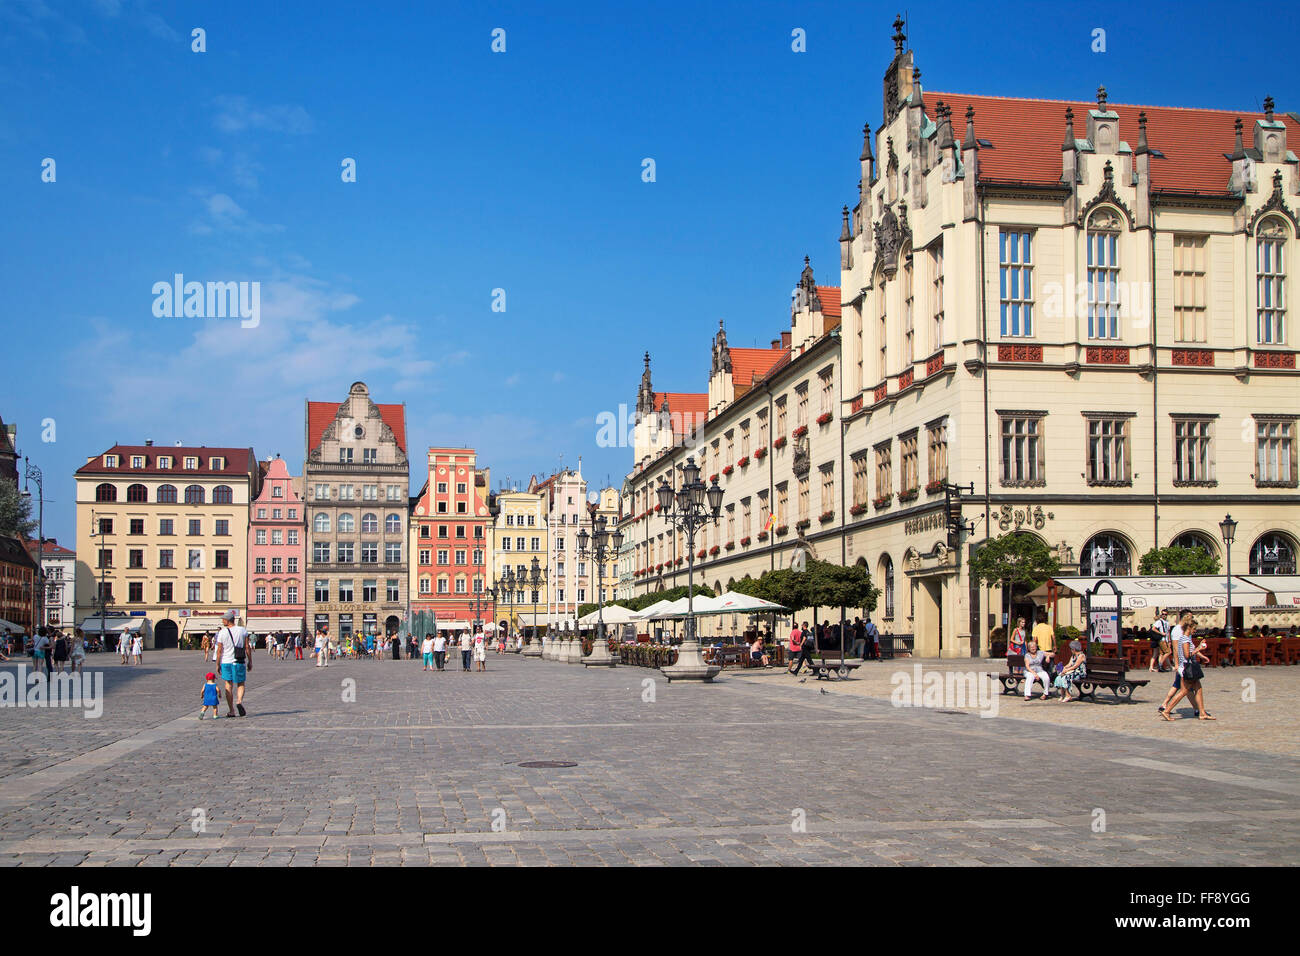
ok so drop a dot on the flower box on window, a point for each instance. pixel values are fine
(934, 487)
(761, 452)
(782, 529)
(700, 553)
(658, 508)
(678, 561)
(762, 536)
(827, 516)
(779, 443)
(731, 546)
(728, 470)
(800, 431)
(713, 478)
(824, 418)
(714, 550)
(883, 501)
(908, 495)
(744, 542)
(802, 523)
(857, 510)
(659, 567)
(743, 461)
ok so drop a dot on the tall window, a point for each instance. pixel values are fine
(222, 495)
(1275, 462)
(780, 417)
(166, 494)
(1189, 289)
(884, 469)
(909, 320)
(1270, 283)
(910, 460)
(1022, 449)
(392, 524)
(882, 333)
(828, 487)
(782, 501)
(936, 296)
(321, 523)
(937, 451)
(1193, 463)
(347, 523)
(827, 379)
(137, 493)
(803, 498)
(1108, 455)
(1103, 275)
(1273, 553)
(1016, 282)
(369, 523)
(861, 468)
(801, 404)
(106, 492)
(887, 575)
(194, 495)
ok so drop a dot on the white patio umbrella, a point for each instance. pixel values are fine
(648, 613)
(614, 614)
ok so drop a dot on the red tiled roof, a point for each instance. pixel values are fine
(686, 408)
(1027, 135)
(749, 364)
(239, 461)
(52, 549)
(320, 414)
(830, 299)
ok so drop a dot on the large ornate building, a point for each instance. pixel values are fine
(356, 483)
(1077, 308)
(162, 535)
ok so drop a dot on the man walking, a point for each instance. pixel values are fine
(466, 648)
(232, 653)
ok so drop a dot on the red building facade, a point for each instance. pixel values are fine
(450, 528)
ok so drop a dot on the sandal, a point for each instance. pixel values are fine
(1207, 717)
(1164, 716)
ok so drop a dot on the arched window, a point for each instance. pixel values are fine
(1195, 539)
(393, 524)
(1273, 553)
(347, 522)
(137, 492)
(1270, 282)
(167, 494)
(887, 577)
(369, 523)
(1103, 274)
(106, 492)
(222, 495)
(321, 523)
(194, 495)
(1105, 555)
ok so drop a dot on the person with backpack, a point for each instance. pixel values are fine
(60, 651)
(233, 651)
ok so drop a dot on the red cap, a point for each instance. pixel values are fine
(211, 677)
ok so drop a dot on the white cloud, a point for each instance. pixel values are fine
(223, 214)
(234, 114)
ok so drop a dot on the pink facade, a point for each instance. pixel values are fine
(277, 553)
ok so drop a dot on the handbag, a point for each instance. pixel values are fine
(1192, 670)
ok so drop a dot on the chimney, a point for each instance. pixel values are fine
(776, 343)
(970, 160)
(785, 340)
(1142, 173)
(148, 443)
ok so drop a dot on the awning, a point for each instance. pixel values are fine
(112, 625)
(1171, 592)
(1285, 588)
(10, 626)
(197, 624)
(272, 625)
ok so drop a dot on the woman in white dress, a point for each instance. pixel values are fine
(480, 651)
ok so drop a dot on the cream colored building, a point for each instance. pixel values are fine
(1077, 308)
(518, 536)
(162, 535)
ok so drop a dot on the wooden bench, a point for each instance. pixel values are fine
(1015, 674)
(1247, 651)
(830, 660)
(1108, 672)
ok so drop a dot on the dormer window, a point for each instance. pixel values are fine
(191, 463)
(137, 461)
(164, 461)
(216, 464)
(110, 461)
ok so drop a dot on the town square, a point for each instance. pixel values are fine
(562, 437)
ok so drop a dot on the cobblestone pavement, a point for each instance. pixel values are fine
(1254, 707)
(425, 769)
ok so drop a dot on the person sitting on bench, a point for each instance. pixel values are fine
(756, 652)
(1034, 659)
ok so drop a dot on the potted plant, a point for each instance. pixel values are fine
(934, 487)
(761, 452)
(713, 477)
(731, 546)
(779, 443)
(744, 461)
(713, 551)
(700, 554)
(827, 516)
(883, 501)
(824, 418)
(800, 431)
(762, 536)
(728, 470)
(908, 495)
(781, 529)
(744, 542)
(858, 510)
(802, 523)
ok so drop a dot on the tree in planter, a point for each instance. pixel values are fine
(1013, 559)
(1175, 560)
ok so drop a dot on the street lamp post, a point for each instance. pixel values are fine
(601, 543)
(31, 473)
(687, 509)
(1228, 528)
(533, 581)
(503, 589)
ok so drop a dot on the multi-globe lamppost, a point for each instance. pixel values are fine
(503, 589)
(1228, 528)
(688, 509)
(601, 544)
(533, 581)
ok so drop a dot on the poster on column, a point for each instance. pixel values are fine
(1105, 626)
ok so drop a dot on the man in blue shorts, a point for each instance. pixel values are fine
(231, 650)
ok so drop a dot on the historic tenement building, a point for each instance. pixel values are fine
(1077, 308)
(277, 552)
(519, 535)
(356, 483)
(450, 535)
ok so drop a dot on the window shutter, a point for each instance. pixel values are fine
(1042, 448)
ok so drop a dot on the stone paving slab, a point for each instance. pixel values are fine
(415, 768)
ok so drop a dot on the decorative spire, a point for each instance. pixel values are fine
(845, 232)
(899, 36)
(1277, 182)
(866, 143)
(916, 98)
(1142, 133)
(1237, 151)
(1101, 98)
(647, 361)
(969, 142)
(1109, 172)
(1069, 128)
(1268, 108)
(893, 156)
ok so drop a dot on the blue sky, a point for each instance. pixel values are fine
(475, 171)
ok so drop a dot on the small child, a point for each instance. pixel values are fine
(210, 698)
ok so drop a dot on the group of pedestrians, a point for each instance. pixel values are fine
(472, 646)
(860, 639)
(1187, 657)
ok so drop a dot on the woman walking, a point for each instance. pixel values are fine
(1189, 659)
(137, 648)
(480, 651)
(426, 651)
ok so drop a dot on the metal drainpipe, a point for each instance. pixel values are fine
(984, 358)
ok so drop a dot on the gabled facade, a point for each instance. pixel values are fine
(450, 528)
(277, 553)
